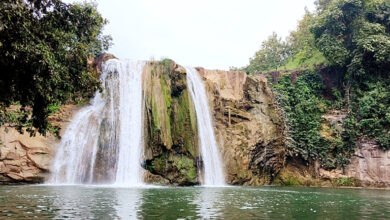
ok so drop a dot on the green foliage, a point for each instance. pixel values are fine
(303, 106)
(53, 108)
(298, 51)
(17, 118)
(307, 59)
(44, 50)
(303, 49)
(351, 38)
(346, 181)
(272, 55)
(322, 4)
(354, 35)
(372, 114)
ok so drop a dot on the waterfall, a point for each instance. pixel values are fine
(213, 172)
(103, 142)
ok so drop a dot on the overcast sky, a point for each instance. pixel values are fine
(214, 34)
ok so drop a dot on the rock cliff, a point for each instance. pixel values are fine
(25, 158)
(248, 126)
(370, 164)
(170, 133)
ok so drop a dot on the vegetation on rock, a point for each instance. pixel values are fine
(170, 124)
(350, 39)
(44, 49)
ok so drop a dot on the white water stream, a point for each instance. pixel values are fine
(213, 171)
(103, 142)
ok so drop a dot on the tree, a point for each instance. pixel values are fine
(334, 30)
(44, 48)
(321, 5)
(272, 55)
(302, 44)
(354, 34)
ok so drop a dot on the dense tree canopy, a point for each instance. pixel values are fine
(44, 48)
(354, 34)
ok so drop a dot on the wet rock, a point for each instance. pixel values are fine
(248, 126)
(151, 178)
(170, 124)
(97, 62)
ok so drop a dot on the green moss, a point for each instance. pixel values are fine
(192, 174)
(184, 127)
(346, 181)
(158, 164)
(287, 178)
(166, 92)
(191, 108)
(173, 120)
(292, 181)
(156, 121)
(186, 167)
(161, 112)
(166, 63)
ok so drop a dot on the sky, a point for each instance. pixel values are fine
(215, 34)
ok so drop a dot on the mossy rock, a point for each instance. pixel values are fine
(170, 123)
(346, 182)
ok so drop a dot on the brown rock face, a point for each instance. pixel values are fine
(370, 164)
(248, 127)
(23, 158)
(97, 62)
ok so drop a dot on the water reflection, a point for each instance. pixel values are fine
(208, 202)
(91, 202)
(168, 203)
(128, 202)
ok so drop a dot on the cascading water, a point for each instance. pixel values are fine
(213, 172)
(103, 142)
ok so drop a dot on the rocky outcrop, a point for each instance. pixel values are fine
(170, 125)
(248, 126)
(25, 158)
(370, 164)
(96, 63)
